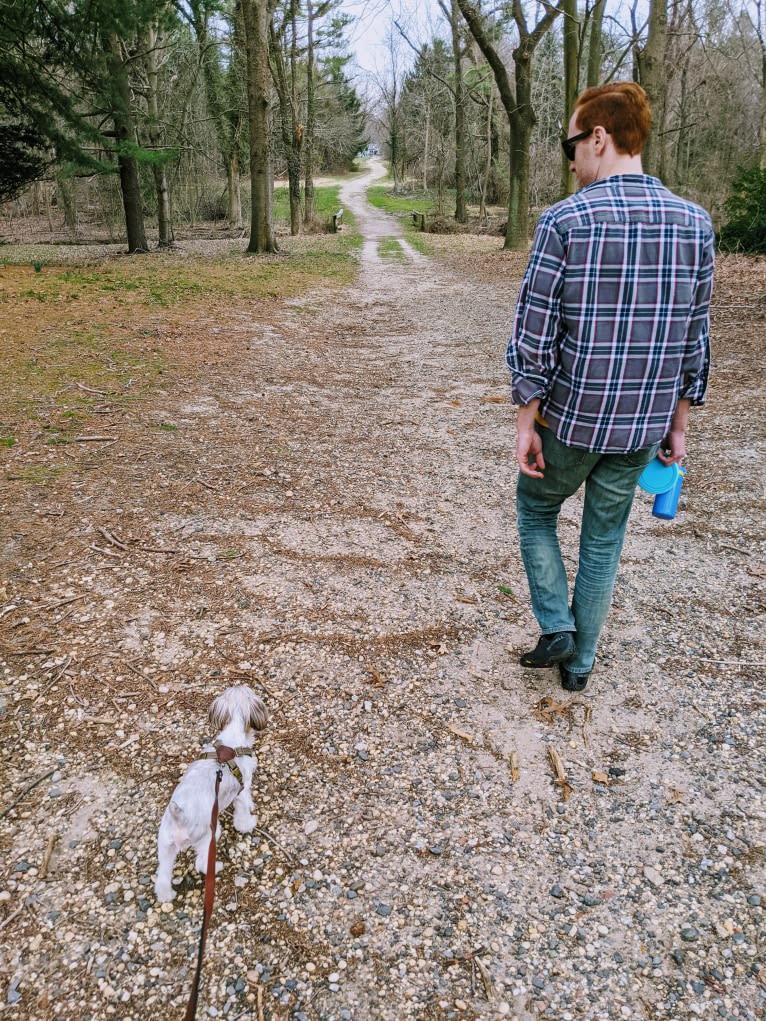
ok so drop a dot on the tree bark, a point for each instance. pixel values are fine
(459, 95)
(571, 76)
(596, 43)
(651, 69)
(256, 17)
(518, 107)
(291, 131)
(164, 214)
(125, 135)
(308, 138)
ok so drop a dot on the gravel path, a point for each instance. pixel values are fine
(331, 519)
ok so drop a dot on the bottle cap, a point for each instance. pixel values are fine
(658, 477)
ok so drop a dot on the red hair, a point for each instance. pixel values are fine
(622, 109)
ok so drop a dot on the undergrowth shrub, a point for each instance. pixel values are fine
(745, 230)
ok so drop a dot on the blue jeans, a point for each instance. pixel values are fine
(610, 484)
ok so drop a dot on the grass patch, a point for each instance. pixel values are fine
(104, 331)
(7, 441)
(402, 206)
(37, 474)
(389, 248)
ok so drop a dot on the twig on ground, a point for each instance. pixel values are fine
(96, 439)
(52, 838)
(65, 602)
(27, 789)
(560, 772)
(489, 986)
(56, 679)
(276, 843)
(91, 390)
(13, 914)
(106, 552)
(111, 539)
(734, 662)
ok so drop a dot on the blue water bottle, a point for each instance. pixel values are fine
(666, 504)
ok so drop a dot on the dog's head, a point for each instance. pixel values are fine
(238, 703)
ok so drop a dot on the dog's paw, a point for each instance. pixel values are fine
(164, 894)
(244, 822)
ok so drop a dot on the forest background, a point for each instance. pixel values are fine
(129, 121)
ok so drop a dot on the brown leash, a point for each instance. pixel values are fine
(223, 754)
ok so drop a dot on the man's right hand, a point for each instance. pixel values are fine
(529, 444)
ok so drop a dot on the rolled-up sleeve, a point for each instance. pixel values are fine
(695, 368)
(532, 353)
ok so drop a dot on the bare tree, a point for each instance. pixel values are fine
(257, 16)
(652, 76)
(517, 102)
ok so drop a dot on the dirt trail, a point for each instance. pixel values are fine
(331, 517)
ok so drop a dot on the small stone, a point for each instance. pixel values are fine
(754, 900)
(556, 891)
(689, 935)
(654, 877)
(383, 909)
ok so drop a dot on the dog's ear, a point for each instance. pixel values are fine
(219, 714)
(259, 718)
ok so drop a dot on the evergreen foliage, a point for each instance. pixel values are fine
(745, 230)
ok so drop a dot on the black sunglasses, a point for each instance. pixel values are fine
(568, 144)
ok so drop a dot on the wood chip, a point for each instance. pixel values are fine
(560, 772)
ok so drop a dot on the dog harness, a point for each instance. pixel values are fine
(225, 755)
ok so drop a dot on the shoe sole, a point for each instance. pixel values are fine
(540, 664)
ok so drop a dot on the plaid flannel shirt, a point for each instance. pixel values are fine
(612, 321)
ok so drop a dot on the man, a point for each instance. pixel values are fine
(609, 350)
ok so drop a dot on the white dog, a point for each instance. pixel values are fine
(236, 715)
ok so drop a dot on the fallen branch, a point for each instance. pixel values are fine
(96, 439)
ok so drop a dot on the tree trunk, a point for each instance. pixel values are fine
(571, 76)
(308, 150)
(291, 131)
(522, 121)
(233, 191)
(223, 109)
(651, 68)
(425, 148)
(518, 107)
(125, 135)
(256, 18)
(459, 93)
(164, 216)
(595, 44)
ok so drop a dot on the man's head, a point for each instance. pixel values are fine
(612, 122)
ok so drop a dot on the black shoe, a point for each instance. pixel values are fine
(551, 649)
(572, 682)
